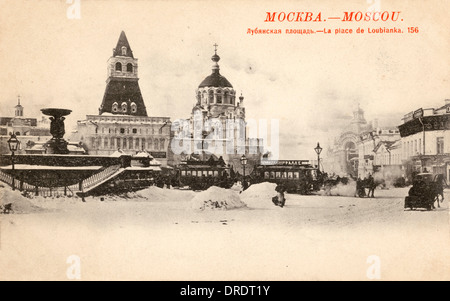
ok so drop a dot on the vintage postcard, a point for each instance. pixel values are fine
(225, 140)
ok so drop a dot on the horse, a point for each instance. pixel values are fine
(370, 183)
(437, 189)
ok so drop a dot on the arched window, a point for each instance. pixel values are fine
(225, 97)
(115, 107)
(124, 106)
(219, 96)
(199, 97)
(162, 143)
(143, 143)
(150, 144)
(136, 144)
(129, 67)
(211, 96)
(133, 107)
(118, 66)
(156, 144)
(124, 50)
(124, 143)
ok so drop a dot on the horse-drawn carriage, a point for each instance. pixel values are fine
(425, 191)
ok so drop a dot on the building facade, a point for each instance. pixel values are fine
(343, 157)
(29, 131)
(425, 139)
(217, 124)
(378, 150)
(122, 122)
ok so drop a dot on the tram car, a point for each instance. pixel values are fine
(202, 174)
(298, 176)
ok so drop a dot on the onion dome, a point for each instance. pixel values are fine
(215, 79)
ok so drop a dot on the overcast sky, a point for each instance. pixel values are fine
(310, 83)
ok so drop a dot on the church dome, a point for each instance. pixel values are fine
(215, 79)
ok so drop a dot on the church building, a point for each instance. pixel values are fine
(217, 124)
(122, 122)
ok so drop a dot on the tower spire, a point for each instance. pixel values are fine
(18, 99)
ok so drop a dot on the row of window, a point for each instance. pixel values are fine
(129, 67)
(412, 148)
(281, 175)
(128, 143)
(200, 173)
(104, 130)
(124, 107)
(209, 97)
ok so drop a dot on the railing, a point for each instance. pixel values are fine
(99, 177)
(61, 190)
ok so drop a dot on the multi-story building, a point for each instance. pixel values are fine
(374, 147)
(29, 131)
(425, 139)
(122, 122)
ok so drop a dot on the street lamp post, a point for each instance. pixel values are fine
(243, 162)
(318, 150)
(13, 144)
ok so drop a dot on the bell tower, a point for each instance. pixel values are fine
(18, 108)
(123, 95)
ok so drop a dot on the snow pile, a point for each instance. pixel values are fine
(217, 198)
(157, 194)
(341, 189)
(20, 204)
(260, 195)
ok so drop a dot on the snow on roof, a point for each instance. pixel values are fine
(49, 167)
(143, 154)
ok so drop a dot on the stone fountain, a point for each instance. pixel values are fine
(56, 145)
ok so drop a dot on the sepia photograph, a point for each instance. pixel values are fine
(237, 140)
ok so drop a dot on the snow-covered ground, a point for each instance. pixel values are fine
(167, 234)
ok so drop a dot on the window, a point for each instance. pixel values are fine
(134, 131)
(136, 145)
(115, 107)
(118, 66)
(118, 142)
(162, 144)
(440, 145)
(124, 106)
(211, 96)
(122, 130)
(143, 143)
(290, 175)
(277, 174)
(124, 143)
(219, 97)
(129, 67)
(156, 144)
(124, 50)
(183, 172)
(133, 107)
(150, 144)
(199, 96)
(225, 97)
(105, 143)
